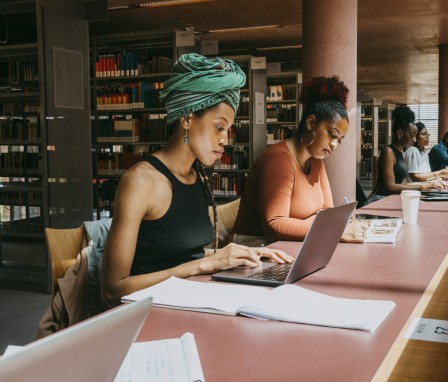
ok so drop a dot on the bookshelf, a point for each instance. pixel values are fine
(247, 136)
(282, 106)
(127, 119)
(23, 175)
(375, 134)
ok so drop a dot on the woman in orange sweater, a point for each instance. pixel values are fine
(288, 184)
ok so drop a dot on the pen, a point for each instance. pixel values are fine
(353, 214)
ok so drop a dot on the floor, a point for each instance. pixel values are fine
(20, 313)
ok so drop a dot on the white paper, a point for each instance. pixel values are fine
(426, 329)
(289, 303)
(170, 360)
(292, 303)
(12, 349)
(192, 295)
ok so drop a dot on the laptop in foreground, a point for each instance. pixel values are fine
(314, 253)
(92, 350)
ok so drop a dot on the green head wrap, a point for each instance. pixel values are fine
(198, 83)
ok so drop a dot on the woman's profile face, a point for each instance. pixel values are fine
(209, 134)
(408, 136)
(423, 138)
(328, 135)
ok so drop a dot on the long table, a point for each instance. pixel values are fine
(407, 272)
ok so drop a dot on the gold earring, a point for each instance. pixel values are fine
(186, 139)
(310, 142)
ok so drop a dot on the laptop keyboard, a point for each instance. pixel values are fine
(277, 272)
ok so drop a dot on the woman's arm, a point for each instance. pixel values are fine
(425, 176)
(387, 162)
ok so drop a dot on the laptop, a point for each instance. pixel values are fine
(314, 253)
(434, 195)
(92, 350)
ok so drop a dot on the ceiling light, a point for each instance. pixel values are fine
(282, 47)
(119, 7)
(166, 3)
(244, 28)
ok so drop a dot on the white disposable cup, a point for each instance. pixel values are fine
(409, 204)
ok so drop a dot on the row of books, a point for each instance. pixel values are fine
(139, 95)
(22, 163)
(116, 163)
(280, 93)
(128, 128)
(281, 113)
(228, 184)
(17, 71)
(10, 198)
(233, 158)
(275, 135)
(243, 108)
(18, 108)
(19, 128)
(11, 214)
(106, 193)
(366, 124)
(130, 63)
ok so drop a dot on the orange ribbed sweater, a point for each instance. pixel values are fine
(279, 200)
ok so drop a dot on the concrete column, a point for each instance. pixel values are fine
(329, 49)
(443, 90)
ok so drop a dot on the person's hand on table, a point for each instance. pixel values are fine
(354, 232)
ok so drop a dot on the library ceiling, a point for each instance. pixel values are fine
(397, 41)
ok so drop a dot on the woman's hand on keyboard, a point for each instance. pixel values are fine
(234, 255)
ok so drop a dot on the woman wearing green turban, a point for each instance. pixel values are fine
(161, 223)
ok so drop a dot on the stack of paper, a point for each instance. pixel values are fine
(289, 303)
(383, 231)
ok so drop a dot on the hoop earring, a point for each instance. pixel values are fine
(186, 139)
(312, 139)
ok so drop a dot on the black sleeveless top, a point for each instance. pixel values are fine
(400, 172)
(178, 236)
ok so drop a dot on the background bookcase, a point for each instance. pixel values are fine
(128, 120)
(283, 111)
(23, 175)
(374, 123)
(45, 143)
(246, 136)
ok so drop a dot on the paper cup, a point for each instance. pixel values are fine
(409, 204)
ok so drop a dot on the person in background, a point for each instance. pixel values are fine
(392, 167)
(438, 156)
(417, 159)
(161, 222)
(288, 184)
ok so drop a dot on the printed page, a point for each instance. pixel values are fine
(292, 303)
(201, 296)
(383, 231)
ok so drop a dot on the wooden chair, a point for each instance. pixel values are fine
(63, 247)
(226, 218)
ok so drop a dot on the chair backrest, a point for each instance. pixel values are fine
(63, 247)
(226, 218)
